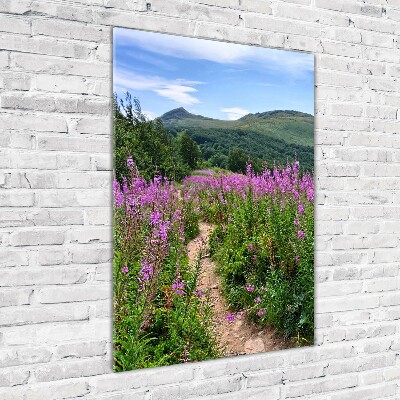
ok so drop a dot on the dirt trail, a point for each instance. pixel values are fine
(234, 337)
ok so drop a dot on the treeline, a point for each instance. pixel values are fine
(153, 149)
(217, 144)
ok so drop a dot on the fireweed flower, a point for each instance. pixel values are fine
(300, 208)
(250, 288)
(296, 259)
(129, 162)
(230, 317)
(261, 311)
(146, 272)
(178, 287)
(125, 269)
(118, 194)
(296, 221)
(257, 299)
(300, 235)
(155, 218)
(250, 247)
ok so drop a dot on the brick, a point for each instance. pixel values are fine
(64, 11)
(15, 296)
(90, 255)
(324, 385)
(24, 356)
(54, 334)
(73, 293)
(43, 276)
(35, 238)
(57, 65)
(13, 316)
(19, 7)
(81, 349)
(71, 30)
(14, 25)
(14, 258)
(355, 302)
(70, 369)
(45, 46)
(63, 389)
(40, 123)
(13, 377)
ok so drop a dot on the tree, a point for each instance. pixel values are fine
(147, 142)
(237, 160)
(188, 150)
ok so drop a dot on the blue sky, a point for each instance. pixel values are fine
(215, 79)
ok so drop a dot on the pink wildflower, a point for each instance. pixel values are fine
(230, 317)
(250, 288)
(261, 311)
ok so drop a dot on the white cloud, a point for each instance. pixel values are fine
(179, 90)
(149, 114)
(294, 63)
(179, 94)
(235, 112)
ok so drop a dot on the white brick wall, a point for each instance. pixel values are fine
(55, 216)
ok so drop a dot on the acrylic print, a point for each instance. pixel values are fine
(213, 199)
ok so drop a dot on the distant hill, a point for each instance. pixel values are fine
(271, 136)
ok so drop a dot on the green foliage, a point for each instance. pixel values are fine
(237, 160)
(147, 142)
(180, 325)
(188, 150)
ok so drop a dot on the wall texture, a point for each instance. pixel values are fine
(55, 215)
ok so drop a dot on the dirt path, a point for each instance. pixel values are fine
(234, 337)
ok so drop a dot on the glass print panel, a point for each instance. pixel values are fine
(213, 199)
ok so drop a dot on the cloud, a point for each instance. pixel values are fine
(235, 112)
(179, 94)
(253, 57)
(149, 114)
(179, 90)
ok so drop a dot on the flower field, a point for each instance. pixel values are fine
(262, 243)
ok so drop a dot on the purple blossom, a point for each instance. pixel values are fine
(300, 235)
(250, 288)
(296, 259)
(296, 221)
(178, 287)
(300, 208)
(230, 317)
(125, 269)
(261, 312)
(257, 299)
(129, 162)
(146, 272)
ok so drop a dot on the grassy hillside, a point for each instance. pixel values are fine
(272, 136)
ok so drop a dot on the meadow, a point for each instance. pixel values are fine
(262, 243)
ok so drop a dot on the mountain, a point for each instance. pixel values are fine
(271, 136)
(179, 114)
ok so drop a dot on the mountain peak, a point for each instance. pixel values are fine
(176, 113)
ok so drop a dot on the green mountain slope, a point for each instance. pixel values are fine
(272, 136)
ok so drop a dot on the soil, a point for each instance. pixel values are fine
(234, 337)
